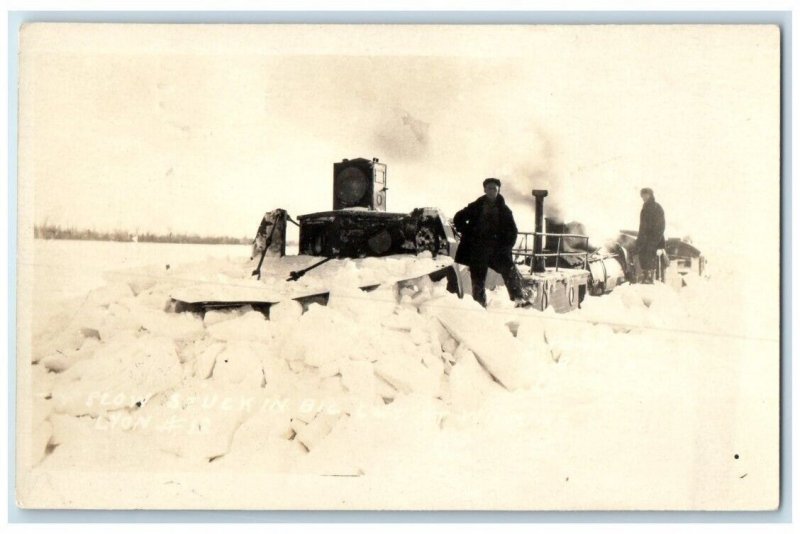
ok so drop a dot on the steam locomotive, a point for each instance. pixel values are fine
(558, 267)
(555, 272)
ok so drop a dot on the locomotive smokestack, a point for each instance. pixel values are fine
(538, 261)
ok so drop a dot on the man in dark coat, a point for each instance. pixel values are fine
(488, 233)
(651, 234)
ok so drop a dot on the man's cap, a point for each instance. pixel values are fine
(646, 190)
(494, 181)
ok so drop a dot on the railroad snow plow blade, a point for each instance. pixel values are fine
(315, 285)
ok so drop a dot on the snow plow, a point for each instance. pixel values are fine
(358, 244)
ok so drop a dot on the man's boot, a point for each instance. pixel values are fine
(479, 292)
(513, 282)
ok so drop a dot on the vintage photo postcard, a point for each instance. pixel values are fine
(398, 267)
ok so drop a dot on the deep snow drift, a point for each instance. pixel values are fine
(646, 397)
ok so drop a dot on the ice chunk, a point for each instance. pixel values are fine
(42, 381)
(264, 424)
(311, 434)
(277, 373)
(287, 310)
(42, 433)
(204, 363)
(174, 325)
(198, 421)
(330, 368)
(262, 443)
(42, 428)
(105, 295)
(418, 336)
(297, 366)
(91, 321)
(252, 326)
(432, 360)
(493, 345)
(451, 302)
(405, 372)
(62, 360)
(122, 373)
(470, 383)
(323, 335)
(384, 389)
(570, 338)
(56, 362)
(531, 334)
(239, 363)
(119, 439)
(359, 379)
(531, 329)
(409, 426)
(141, 283)
(355, 302)
(217, 316)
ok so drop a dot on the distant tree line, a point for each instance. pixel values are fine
(49, 231)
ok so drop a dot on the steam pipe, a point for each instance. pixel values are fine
(538, 260)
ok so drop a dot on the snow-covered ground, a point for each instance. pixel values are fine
(648, 397)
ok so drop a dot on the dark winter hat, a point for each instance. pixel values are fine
(494, 181)
(646, 190)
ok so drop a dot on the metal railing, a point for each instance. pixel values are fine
(527, 250)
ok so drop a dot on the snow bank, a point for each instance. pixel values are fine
(386, 381)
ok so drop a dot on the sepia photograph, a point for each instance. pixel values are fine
(398, 267)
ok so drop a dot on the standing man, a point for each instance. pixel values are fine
(488, 234)
(651, 234)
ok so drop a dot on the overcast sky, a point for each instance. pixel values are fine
(201, 129)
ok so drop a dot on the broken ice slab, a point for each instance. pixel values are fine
(406, 373)
(119, 375)
(311, 434)
(197, 420)
(470, 383)
(251, 326)
(493, 345)
(105, 295)
(239, 363)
